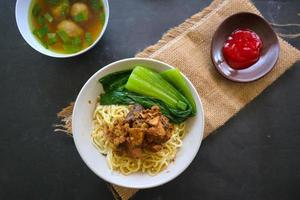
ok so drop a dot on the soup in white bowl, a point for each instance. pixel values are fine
(62, 28)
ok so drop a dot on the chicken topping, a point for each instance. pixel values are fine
(141, 129)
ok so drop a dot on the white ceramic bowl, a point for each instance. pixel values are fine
(82, 128)
(22, 18)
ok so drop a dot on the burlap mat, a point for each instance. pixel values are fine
(188, 48)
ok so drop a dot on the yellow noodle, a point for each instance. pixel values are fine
(151, 162)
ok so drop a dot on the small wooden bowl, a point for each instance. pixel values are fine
(269, 53)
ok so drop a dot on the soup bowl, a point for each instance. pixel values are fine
(82, 128)
(23, 17)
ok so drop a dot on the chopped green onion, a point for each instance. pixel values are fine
(88, 38)
(76, 41)
(71, 48)
(65, 7)
(45, 44)
(36, 10)
(63, 36)
(102, 17)
(82, 16)
(64, 10)
(53, 2)
(41, 32)
(48, 17)
(51, 38)
(74, 45)
(41, 20)
(95, 4)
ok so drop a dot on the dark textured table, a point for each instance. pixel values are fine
(256, 155)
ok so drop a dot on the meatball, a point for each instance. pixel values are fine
(60, 12)
(80, 9)
(71, 28)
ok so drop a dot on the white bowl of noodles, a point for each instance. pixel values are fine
(83, 112)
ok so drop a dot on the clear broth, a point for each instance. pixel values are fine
(93, 25)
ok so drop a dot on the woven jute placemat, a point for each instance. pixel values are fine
(188, 48)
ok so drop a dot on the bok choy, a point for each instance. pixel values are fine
(147, 88)
(149, 83)
(174, 77)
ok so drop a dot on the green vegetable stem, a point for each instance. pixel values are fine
(147, 88)
(149, 83)
(174, 77)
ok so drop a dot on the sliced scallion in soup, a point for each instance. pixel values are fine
(66, 26)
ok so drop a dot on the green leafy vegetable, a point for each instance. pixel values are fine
(71, 44)
(76, 41)
(65, 5)
(53, 2)
(51, 38)
(41, 20)
(71, 48)
(115, 80)
(122, 96)
(96, 4)
(149, 83)
(63, 36)
(45, 44)
(102, 17)
(88, 38)
(74, 45)
(116, 93)
(174, 77)
(82, 16)
(36, 10)
(48, 17)
(41, 32)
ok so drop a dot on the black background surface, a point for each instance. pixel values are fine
(256, 155)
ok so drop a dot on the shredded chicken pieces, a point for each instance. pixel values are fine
(141, 129)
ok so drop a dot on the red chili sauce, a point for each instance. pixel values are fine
(242, 48)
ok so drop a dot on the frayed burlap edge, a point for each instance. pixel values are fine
(65, 116)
